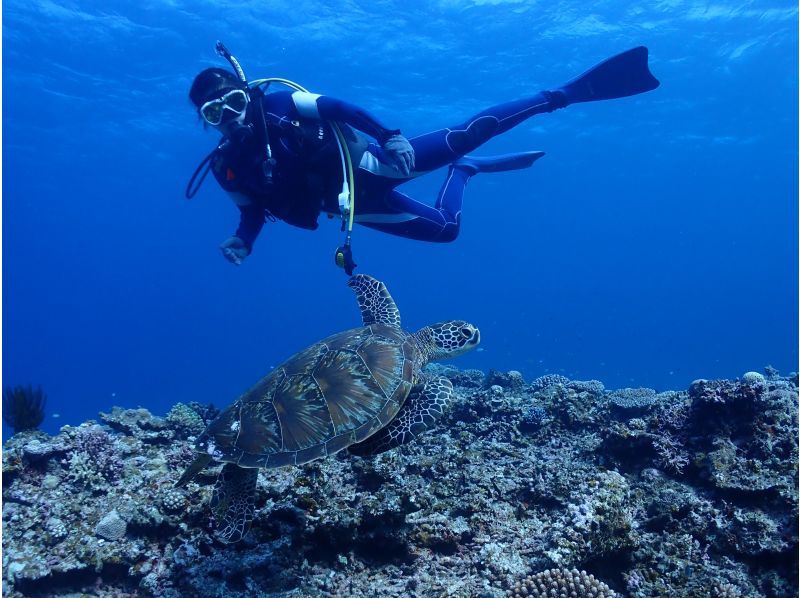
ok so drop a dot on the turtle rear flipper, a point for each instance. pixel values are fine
(194, 468)
(233, 501)
(425, 404)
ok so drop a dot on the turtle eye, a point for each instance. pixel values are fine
(466, 332)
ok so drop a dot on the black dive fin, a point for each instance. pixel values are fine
(622, 75)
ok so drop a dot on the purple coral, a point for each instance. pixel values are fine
(672, 455)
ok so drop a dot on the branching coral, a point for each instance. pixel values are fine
(671, 439)
(23, 407)
(671, 454)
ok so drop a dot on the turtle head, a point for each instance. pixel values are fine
(444, 340)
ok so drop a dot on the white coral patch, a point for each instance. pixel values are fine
(235, 426)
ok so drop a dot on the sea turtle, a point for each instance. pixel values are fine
(361, 389)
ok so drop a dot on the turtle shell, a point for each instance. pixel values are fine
(335, 393)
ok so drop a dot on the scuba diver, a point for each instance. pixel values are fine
(290, 155)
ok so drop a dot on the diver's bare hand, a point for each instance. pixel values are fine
(234, 250)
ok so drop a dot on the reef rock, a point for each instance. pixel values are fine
(520, 490)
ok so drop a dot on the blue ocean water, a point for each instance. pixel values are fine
(655, 243)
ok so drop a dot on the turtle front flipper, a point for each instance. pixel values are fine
(374, 300)
(233, 501)
(425, 404)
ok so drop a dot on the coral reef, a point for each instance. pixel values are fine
(23, 407)
(556, 488)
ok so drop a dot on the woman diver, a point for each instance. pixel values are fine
(290, 155)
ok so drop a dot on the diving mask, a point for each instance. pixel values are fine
(235, 100)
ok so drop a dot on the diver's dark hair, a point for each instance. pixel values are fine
(210, 82)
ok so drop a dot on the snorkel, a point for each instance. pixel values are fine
(237, 68)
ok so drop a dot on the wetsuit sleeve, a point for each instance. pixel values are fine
(251, 221)
(311, 105)
(251, 214)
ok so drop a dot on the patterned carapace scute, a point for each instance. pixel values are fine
(374, 300)
(329, 396)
